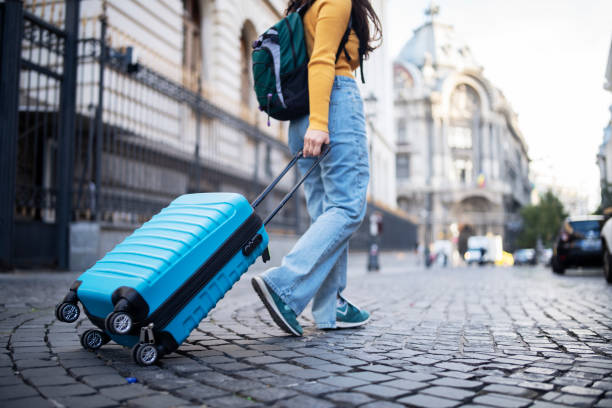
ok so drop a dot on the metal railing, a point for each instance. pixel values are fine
(93, 137)
(145, 139)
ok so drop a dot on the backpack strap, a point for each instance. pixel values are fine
(342, 47)
(344, 40)
(361, 53)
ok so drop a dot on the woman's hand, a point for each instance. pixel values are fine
(313, 141)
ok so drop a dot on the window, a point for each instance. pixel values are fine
(463, 170)
(192, 47)
(402, 136)
(248, 35)
(460, 137)
(402, 166)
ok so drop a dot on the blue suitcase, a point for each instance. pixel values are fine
(156, 286)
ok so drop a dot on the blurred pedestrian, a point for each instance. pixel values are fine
(336, 191)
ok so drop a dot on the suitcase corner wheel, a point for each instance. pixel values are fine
(146, 352)
(118, 323)
(67, 312)
(94, 339)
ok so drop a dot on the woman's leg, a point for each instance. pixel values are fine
(325, 300)
(344, 174)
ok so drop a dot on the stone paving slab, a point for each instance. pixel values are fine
(474, 337)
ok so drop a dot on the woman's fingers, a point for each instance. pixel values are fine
(313, 141)
(316, 148)
(306, 150)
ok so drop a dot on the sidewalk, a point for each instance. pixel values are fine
(501, 337)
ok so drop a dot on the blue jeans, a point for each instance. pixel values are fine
(336, 200)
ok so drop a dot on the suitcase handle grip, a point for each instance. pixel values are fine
(324, 151)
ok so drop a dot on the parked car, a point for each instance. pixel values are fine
(578, 243)
(606, 242)
(526, 256)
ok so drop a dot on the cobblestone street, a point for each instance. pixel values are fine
(503, 337)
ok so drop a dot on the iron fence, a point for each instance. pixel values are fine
(38, 85)
(143, 139)
(100, 138)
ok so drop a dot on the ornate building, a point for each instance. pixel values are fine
(604, 157)
(462, 162)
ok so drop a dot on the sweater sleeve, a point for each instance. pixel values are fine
(331, 22)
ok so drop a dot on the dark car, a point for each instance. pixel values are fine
(525, 256)
(578, 243)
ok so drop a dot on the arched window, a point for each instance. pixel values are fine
(247, 36)
(192, 44)
(463, 127)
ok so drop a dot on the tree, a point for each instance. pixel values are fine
(541, 221)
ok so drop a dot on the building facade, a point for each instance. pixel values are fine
(377, 93)
(604, 156)
(462, 162)
(163, 106)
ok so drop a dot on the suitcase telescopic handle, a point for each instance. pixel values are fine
(324, 151)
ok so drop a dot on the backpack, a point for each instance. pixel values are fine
(280, 67)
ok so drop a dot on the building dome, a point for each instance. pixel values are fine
(440, 44)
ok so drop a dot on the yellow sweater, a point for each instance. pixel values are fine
(324, 25)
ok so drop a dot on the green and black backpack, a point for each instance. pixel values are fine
(280, 67)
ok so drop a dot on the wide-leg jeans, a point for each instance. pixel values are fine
(336, 199)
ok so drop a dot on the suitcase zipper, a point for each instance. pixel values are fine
(164, 314)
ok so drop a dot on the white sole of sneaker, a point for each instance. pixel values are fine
(344, 325)
(264, 294)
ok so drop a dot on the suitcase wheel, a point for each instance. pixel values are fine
(94, 339)
(118, 323)
(145, 354)
(67, 312)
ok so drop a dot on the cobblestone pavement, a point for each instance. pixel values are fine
(513, 337)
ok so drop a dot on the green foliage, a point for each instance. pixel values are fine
(541, 221)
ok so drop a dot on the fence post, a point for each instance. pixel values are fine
(99, 118)
(10, 58)
(66, 135)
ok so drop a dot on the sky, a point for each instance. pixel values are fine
(549, 58)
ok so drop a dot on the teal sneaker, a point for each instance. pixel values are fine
(282, 314)
(349, 315)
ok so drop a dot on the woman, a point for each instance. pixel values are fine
(336, 191)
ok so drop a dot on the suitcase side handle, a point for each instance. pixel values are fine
(325, 150)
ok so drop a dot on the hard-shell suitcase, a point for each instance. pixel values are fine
(156, 286)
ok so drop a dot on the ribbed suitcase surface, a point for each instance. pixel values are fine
(164, 253)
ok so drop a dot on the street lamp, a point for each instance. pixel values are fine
(371, 106)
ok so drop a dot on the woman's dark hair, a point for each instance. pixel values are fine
(362, 14)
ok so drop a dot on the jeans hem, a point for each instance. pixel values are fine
(329, 325)
(280, 294)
